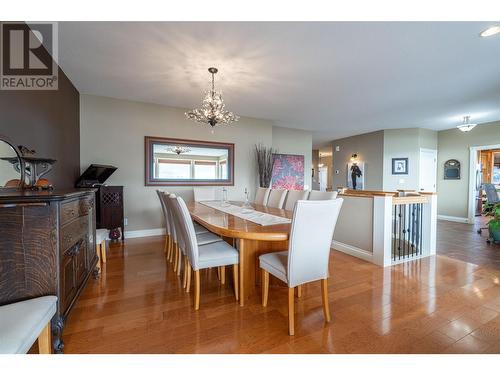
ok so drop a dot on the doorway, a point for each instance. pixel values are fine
(484, 167)
(323, 178)
(428, 170)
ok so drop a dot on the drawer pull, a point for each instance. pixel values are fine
(75, 250)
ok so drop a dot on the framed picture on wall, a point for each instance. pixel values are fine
(399, 165)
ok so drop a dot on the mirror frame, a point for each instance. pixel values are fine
(21, 165)
(149, 176)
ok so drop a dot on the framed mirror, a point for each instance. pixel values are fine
(11, 166)
(184, 162)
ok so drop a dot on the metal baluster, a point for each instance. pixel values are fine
(399, 230)
(421, 220)
(394, 231)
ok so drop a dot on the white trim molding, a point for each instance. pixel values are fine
(456, 219)
(144, 233)
(352, 250)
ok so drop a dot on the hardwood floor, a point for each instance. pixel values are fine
(432, 305)
(462, 242)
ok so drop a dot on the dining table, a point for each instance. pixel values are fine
(252, 239)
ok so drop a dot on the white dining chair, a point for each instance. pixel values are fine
(276, 198)
(293, 196)
(168, 238)
(23, 323)
(173, 249)
(308, 253)
(316, 195)
(216, 254)
(204, 238)
(262, 196)
(204, 193)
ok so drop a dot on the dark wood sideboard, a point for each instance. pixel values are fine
(47, 246)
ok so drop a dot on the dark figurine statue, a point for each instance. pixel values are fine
(355, 173)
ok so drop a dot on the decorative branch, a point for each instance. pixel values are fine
(264, 158)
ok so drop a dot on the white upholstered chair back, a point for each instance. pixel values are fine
(311, 236)
(166, 211)
(276, 198)
(262, 196)
(174, 225)
(204, 193)
(316, 195)
(163, 208)
(187, 228)
(293, 196)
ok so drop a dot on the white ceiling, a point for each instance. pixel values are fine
(334, 78)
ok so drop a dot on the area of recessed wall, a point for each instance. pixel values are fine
(370, 149)
(453, 195)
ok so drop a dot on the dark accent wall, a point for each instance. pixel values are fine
(49, 122)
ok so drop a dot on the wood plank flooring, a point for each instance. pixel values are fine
(431, 305)
(462, 242)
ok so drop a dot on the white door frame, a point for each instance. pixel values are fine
(435, 153)
(472, 178)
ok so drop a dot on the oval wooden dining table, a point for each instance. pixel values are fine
(253, 239)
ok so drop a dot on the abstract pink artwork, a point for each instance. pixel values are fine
(288, 172)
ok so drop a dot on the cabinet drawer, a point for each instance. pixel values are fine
(69, 210)
(73, 232)
(73, 209)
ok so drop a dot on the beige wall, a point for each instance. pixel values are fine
(405, 143)
(293, 141)
(112, 132)
(355, 224)
(370, 149)
(454, 144)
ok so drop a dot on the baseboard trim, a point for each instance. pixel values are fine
(456, 219)
(144, 233)
(353, 250)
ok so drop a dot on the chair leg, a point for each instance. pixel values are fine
(218, 273)
(179, 262)
(197, 289)
(103, 251)
(98, 252)
(170, 250)
(188, 283)
(265, 286)
(299, 291)
(165, 247)
(235, 281)
(291, 311)
(44, 341)
(223, 275)
(184, 277)
(175, 255)
(324, 294)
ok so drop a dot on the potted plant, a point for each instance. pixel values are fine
(494, 224)
(264, 158)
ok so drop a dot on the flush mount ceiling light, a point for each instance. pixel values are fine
(178, 149)
(490, 31)
(466, 126)
(212, 110)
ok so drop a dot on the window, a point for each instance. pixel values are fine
(174, 169)
(205, 170)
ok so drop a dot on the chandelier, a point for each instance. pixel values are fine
(212, 110)
(178, 149)
(466, 125)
